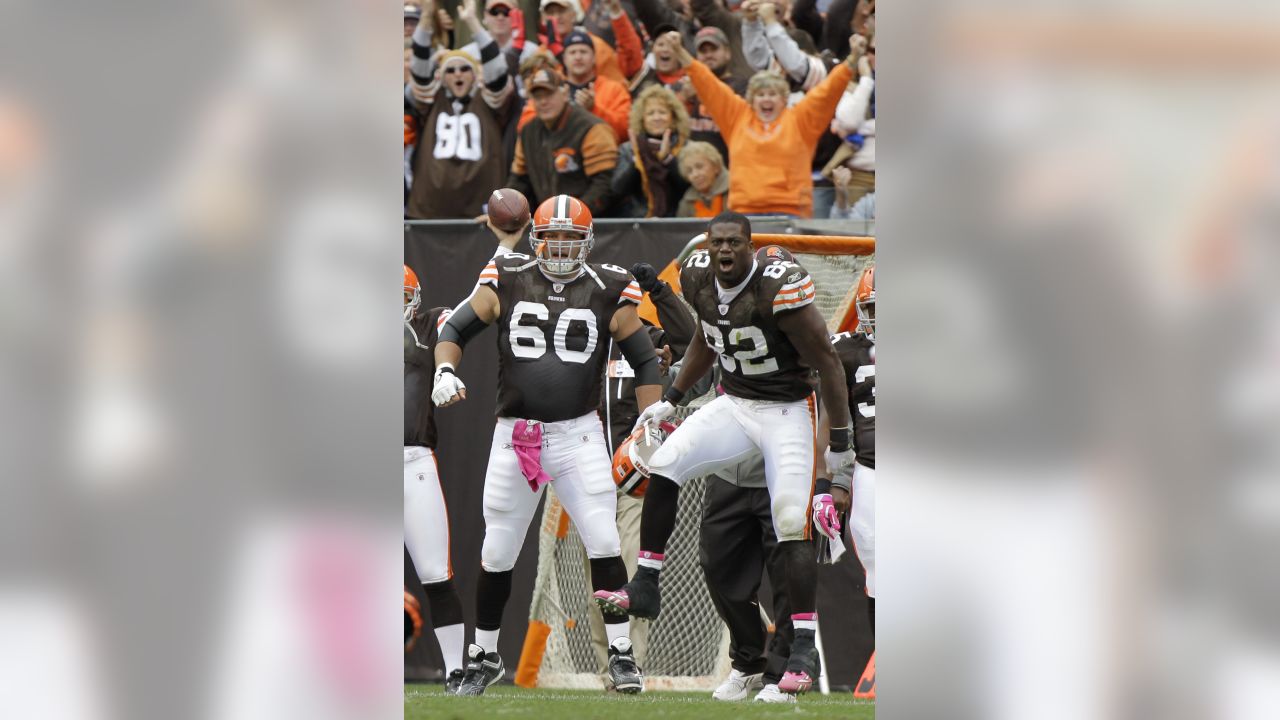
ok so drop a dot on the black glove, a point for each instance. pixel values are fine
(646, 277)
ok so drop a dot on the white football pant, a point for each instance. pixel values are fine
(426, 519)
(728, 430)
(862, 521)
(574, 454)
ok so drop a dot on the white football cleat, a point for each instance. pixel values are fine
(738, 686)
(771, 694)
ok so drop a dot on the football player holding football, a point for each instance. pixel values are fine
(552, 311)
(761, 325)
(426, 522)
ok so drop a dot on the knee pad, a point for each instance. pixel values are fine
(790, 516)
(499, 552)
(599, 533)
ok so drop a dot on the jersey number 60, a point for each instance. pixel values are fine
(535, 340)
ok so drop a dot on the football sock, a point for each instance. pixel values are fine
(658, 518)
(802, 575)
(805, 621)
(871, 614)
(451, 639)
(487, 639)
(617, 629)
(442, 599)
(446, 616)
(609, 574)
(492, 591)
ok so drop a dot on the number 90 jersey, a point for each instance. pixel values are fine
(553, 336)
(757, 359)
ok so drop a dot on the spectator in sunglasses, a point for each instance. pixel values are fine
(505, 23)
(465, 105)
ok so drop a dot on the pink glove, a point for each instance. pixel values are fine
(825, 516)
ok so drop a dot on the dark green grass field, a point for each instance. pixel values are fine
(508, 701)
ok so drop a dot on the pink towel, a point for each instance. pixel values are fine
(526, 440)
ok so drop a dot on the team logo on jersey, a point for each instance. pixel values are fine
(558, 287)
(564, 161)
(724, 309)
(794, 276)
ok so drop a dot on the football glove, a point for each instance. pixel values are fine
(653, 415)
(446, 385)
(840, 465)
(646, 276)
(825, 516)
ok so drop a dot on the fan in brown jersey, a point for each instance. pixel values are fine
(857, 351)
(551, 311)
(760, 322)
(426, 524)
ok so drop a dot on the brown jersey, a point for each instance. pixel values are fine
(553, 336)
(858, 355)
(757, 359)
(419, 376)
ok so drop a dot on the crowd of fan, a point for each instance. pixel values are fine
(642, 108)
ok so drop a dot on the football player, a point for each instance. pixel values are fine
(551, 311)
(426, 522)
(857, 351)
(761, 325)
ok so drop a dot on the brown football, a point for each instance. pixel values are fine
(508, 209)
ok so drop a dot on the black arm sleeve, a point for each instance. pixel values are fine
(675, 319)
(462, 326)
(637, 348)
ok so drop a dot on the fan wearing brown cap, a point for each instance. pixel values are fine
(565, 150)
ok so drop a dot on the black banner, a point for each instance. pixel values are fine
(448, 257)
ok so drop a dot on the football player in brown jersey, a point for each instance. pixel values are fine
(857, 351)
(426, 522)
(551, 311)
(761, 325)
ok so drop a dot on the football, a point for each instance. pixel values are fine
(508, 209)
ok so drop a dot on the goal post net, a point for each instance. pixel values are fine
(688, 643)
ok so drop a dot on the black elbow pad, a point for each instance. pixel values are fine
(462, 325)
(637, 348)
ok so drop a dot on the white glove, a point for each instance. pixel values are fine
(840, 465)
(654, 414)
(446, 385)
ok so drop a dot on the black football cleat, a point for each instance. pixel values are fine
(623, 670)
(482, 671)
(803, 666)
(453, 682)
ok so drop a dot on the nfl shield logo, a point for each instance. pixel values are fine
(559, 287)
(723, 309)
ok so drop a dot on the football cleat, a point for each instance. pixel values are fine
(569, 219)
(482, 671)
(738, 686)
(771, 694)
(640, 597)
(803, 665)
(623, 670)
(454, 681)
